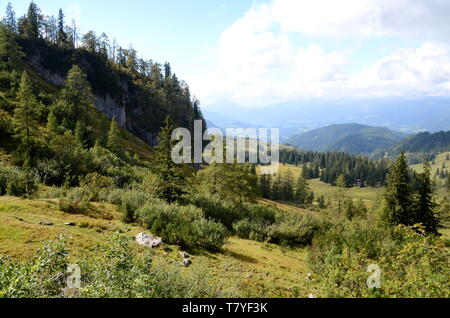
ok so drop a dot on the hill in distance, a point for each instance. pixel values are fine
(350, 138)
(424, 142)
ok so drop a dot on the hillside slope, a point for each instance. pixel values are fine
(350, 138)
(424, 142)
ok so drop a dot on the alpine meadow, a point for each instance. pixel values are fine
(354, 203)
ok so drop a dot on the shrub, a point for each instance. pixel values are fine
(412, 264)
(115, 272)
(215, 209)
(210, 235)
(293, 229)
(182, 225)
(130, 202)
(16, 182)
(251, 229)
(73, 206)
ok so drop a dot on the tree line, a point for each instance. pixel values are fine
(357, 170)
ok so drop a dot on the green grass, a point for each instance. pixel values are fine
(438, 162)
(258, 269)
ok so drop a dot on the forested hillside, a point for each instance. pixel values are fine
(138, 93)
(424, 145)
(350, 138)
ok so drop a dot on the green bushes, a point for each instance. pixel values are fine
(115, 272)
(74, 206)
(259, 222)
(412, 264)
(16, 182)
(293, 229)
(182, 225)
(248, 229)
(130, 202)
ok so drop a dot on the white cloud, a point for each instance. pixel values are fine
(258, 61)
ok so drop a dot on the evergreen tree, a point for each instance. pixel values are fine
(341, 182)
(424, 207)
(52, 124)
(265, 186)
(25, 123)
(398, 195)
(32, 26)
(10, 18)
(287, 188)
(80, 134)
(171, 185)
(10, 51)
(77, 94)
(113, 142)
(321, 202)
(447, 184)
(302, 191)
(61, 34)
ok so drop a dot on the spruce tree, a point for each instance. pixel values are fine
(77, 93)
(113, 142)
(62, 36)
(25, 122)
(398, 195)
(424, 207)
(171, 183)
(302, 191)
(80, 134)
(10, 18)
(33, 22)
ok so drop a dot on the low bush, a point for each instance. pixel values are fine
(293, 229)
(115, 272)
(250, 229)
(411, 264)
(74, 206)
(130, 202)
(16, 182)
(182, 225)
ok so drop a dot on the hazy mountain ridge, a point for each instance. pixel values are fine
(298, 116)
(424, 142)
(350, 138)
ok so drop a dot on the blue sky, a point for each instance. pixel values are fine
(254, 53)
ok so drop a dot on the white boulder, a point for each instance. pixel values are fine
(148, 240)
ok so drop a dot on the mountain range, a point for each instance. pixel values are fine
(404, 115)
(350, 138)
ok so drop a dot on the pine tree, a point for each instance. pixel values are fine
(287, 189)
(10, 51)
(33, 22)
(424, 207)
(447, 184)
(398, 195)
(302, 191)
(62, 36)
(265, 186)
(80, 134)
(113, 142)
(10, 18)
(25, 123)
(77, 93)
(171, 185)
(52, 124)
(341, 182)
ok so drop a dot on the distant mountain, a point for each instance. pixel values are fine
(350, 138)
(424, 142)
(298, 116)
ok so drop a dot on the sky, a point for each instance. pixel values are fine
(260, 52)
